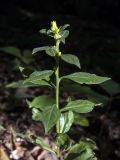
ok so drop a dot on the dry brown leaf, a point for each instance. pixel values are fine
(3, 155)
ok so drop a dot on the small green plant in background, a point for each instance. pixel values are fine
(22, 58)
(48, 110)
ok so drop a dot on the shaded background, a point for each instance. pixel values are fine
(94, 38)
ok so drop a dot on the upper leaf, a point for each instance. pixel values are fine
(66, 121)
(63, 35)
(72, 59)
(50, 50)
(80, 106)
(85, 78)
(37, 76)
(50, 116)
(64, 27)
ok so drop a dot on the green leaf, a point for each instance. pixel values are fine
(80, 106)
(42, 102)
(64, 34)
(38, 49)
(64, 27)
(85, 78)
(50, 50)
(66, 121)
(63, 141)
(12, 50)
(45, 146)
(50, 116)
(21, 84)
(72, 59)
(81, 120)
(82, 151)
(37, 76)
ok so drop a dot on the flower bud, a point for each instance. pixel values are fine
(54, 27)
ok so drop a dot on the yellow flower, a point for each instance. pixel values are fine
(54, 27)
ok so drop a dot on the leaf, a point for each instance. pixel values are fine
(50, 116)
(3, 155)
(82, 151)
(50, 50)
(21, 84)
(85, 78)
(43, 144)
(64, 27)
(42, 102)
(12, 50)
(64, 34)
(66, 121)
(38, 49)
(37, 76)
(63, 141)
(80, 106)
(81, 120)
(72, 59)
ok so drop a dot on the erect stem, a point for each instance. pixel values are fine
(57, 92)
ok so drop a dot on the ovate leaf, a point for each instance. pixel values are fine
(45, 146)
(42, 102)
(37, 76)
(72, 59)
(66, 121)
(85, 78)
(80, 106)
(50, 116)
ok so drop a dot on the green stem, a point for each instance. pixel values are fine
(57, 94)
